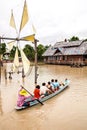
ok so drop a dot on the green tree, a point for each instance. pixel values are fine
(74, 38)
(29, 52)
(12, 52)
(40, 50)
(2, 48)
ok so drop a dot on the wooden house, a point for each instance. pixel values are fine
(67, 53)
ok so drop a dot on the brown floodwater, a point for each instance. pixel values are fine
(66, 111)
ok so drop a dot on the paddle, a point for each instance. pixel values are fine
(32, 95)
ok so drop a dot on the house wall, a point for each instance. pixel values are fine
(66, 60)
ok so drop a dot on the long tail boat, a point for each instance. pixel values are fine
(33, 102)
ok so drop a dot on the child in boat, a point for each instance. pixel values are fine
(49, 86)
(44, 91)
(66, 82)
(37, 92)
(52, 84)
(22, 96)
(56, 85)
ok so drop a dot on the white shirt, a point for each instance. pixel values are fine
(43, 89)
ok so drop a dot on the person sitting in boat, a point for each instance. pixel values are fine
(44, 91)
(22, 96)
(52, 84)
(56, 85)
(49, 86)
(66, 82)
(37, 92)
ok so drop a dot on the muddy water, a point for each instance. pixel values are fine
(66, 111)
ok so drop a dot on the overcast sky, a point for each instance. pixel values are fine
(54, 20)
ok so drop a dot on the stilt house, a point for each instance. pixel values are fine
(67, 53)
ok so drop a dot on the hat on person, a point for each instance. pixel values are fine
(23, 92)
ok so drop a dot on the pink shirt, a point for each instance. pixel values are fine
(21, 99)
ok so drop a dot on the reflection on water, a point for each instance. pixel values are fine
(66, 111)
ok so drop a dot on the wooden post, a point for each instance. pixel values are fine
(36, 75)
(35, 42)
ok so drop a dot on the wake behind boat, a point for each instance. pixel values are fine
(33, 102)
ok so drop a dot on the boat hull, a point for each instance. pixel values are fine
(35, 102)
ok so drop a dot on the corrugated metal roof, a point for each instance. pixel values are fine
(49, 52)
(67, 44)
(67, 48)
(75, 51)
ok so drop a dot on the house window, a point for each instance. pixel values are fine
(63, 57)
(58, 58)
(50, 58)
(85, 57)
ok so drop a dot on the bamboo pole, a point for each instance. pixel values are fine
(36, 75)
(14, 39)
(35, 42)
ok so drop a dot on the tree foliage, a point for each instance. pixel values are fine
(40, 50)
(74, 38)
(2, 48)
(29, 52)
(12, 52)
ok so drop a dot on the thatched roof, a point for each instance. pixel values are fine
(67, 48)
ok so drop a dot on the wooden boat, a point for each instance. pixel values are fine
(35, 102)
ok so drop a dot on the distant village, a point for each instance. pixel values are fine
(73, 53)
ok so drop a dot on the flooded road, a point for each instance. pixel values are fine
(66, 111)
